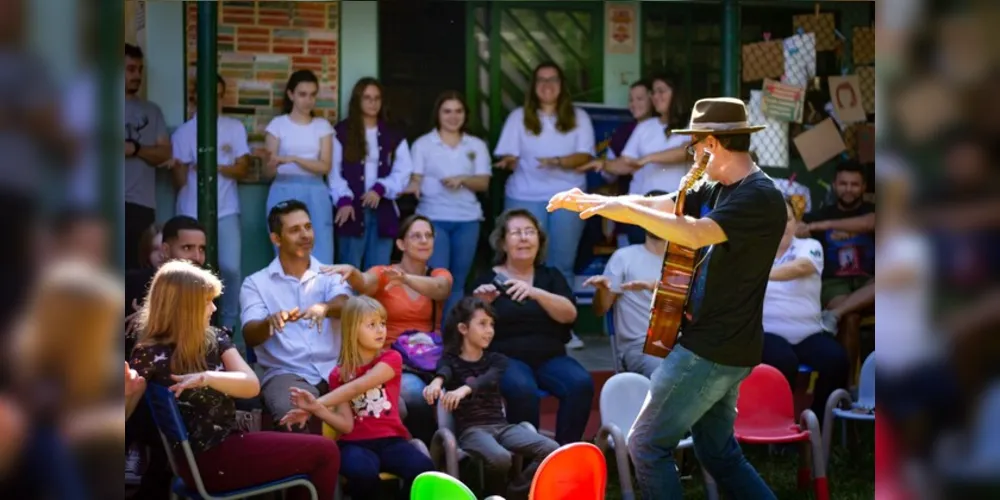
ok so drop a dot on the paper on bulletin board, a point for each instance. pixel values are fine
(771, 144)
(863, 45)
(800, 59)
(783, 102)
(820, 144)
(763, 60)
(822, 25)
(621, 28)
(866, 78)
(845, 94)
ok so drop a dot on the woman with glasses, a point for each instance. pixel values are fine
(535, 310)
(413, 294)
(300, 147)
(656, 159)
(545, 143)
(449, 168)
(371, 168)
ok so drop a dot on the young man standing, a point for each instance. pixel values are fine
(735, 222)
(147, 147)
(291, 312)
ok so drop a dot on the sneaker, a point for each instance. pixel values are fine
(133, 473)
(574, 342)
(828, 320)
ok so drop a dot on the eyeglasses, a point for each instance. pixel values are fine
(523, 233)
(421, 236)
(691, 148)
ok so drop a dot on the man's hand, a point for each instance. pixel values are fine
(453, 182)
(370, 199)
(598, 281)
(802, 230)
(134, 384)
(278, 319)
(295, 417)
(188, 381)
(575, 200)
(343, 214)
(433, 391)
(639, 285)
(612, 209)
(506, 163)
(487, 293)
(315, 314)
(453, 398)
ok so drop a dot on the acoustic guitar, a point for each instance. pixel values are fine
(671, 293)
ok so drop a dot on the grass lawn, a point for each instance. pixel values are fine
(851, 473)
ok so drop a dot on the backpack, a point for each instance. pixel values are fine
(421, 350)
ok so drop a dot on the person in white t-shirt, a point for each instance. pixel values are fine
(301, 148)
(546, 143)
(793, 334)
(627, 285)
(233, 164)
(654, 157)
(449, 167)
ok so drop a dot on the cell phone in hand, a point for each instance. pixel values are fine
(500, 282)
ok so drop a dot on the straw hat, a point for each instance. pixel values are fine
(720, 116)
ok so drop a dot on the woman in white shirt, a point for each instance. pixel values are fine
(656, 159)
(301, 148)
(371, 168)
(544, 143)
(449, 168)
(793, 333)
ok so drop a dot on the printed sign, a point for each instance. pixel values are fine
(782, 102)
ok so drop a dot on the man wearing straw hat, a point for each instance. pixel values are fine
(735, 222)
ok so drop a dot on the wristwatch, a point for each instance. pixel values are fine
(135, 145)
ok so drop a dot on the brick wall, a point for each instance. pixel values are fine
(260, 44)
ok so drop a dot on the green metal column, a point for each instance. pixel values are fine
(207, 122)
(730, 48)
(111, 137)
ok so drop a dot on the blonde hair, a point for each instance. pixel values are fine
(70, 330)
(356, 311)
(174, 313)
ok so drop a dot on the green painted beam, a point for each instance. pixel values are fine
(109, 61)
(208, 111)
(730, 48)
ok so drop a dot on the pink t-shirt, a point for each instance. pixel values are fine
(376, 412)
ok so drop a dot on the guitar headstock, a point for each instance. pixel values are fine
(698, 170)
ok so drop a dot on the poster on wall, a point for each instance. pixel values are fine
(621, 28)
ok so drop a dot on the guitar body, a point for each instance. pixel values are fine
(671, 293)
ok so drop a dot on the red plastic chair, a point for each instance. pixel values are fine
(887, 483)
(766, 415)
(576, 471)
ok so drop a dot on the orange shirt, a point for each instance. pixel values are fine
(407, 310)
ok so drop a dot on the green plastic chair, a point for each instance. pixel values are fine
(439, 486)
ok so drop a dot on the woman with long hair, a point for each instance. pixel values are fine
(449, 167)
(301, 148)
(640, 107)
(178, 349)
(653, 156)
(371, 168)
(413, 292)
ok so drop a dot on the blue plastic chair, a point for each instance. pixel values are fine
(173, 431)
(841, 405)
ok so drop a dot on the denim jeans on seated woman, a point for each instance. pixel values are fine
(689, 392)
(562, 377)
(421, 418)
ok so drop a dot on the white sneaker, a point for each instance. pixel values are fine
(574, 342)
(133, 473)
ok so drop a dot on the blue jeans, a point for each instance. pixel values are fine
(563, 377)
(230, 251)
(454, 249)
(362, 461)
(367, 250)
(312, 191)
(421, 418)
(564, 229)
(688, 392)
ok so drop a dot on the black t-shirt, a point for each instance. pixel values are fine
(847, 255)
(485, 405)
(524, 331)
(724, 313)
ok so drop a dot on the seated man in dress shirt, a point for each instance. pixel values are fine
(291, 312)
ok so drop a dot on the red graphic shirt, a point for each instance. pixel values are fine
(376, 412)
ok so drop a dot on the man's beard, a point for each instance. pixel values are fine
(856, 202)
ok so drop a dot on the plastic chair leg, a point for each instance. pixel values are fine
(820, 484)
(838, 397)
(621, 457)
